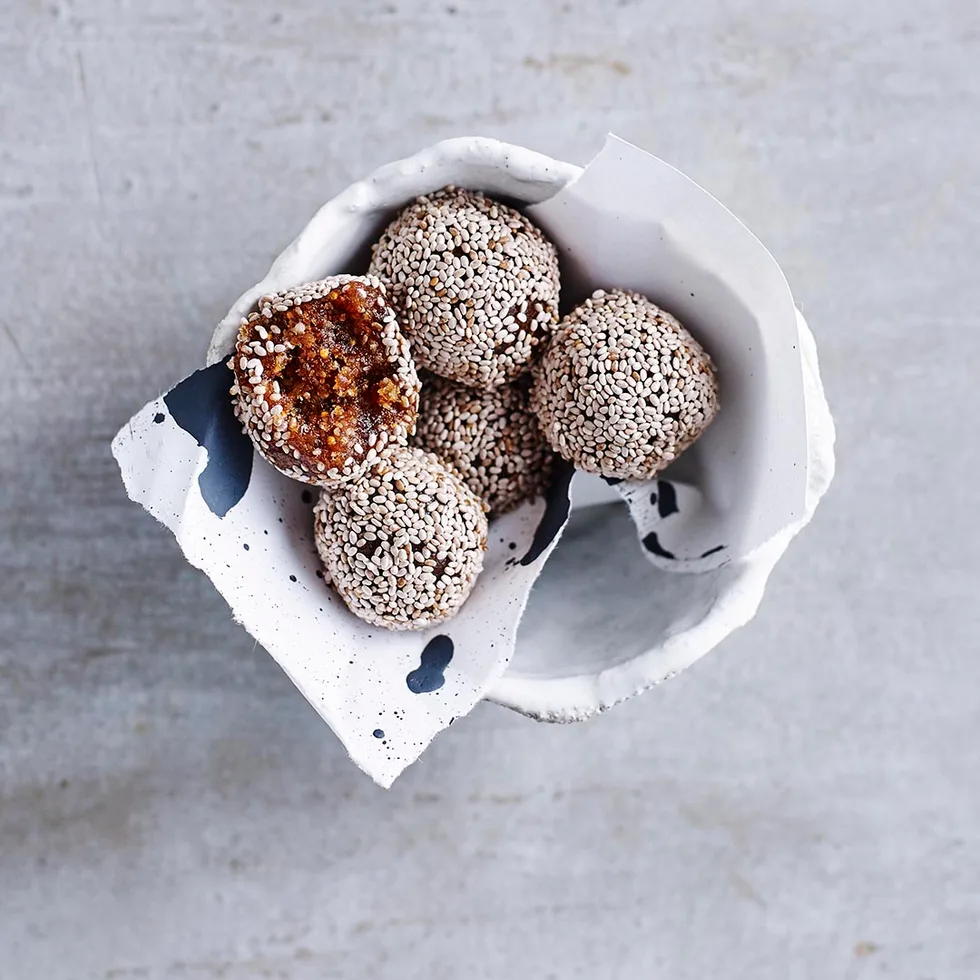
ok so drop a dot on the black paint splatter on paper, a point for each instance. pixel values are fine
(652, 543)
(665, 499)
(430, 674)
(557, 503)
(201, 405)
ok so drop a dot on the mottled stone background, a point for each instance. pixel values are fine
(804, 803)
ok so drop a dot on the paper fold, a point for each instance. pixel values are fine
(627, 220)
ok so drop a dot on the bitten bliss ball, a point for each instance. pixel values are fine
(324, 379)
(623, 388)
(491, 438)
(404, 543)
(474, 282)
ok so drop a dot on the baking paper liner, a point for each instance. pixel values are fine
(627, 220)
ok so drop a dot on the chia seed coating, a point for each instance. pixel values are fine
(402, 544)
(324, 379)
(623, 388)
(491, 437)
(475, 284)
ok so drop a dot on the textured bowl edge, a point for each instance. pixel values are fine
(579, 697)
(531, 177)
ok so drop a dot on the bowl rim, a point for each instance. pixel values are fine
(579, 696)
(503, 168)
(529, 176)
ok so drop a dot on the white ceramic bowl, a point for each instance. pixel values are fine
(602, 624)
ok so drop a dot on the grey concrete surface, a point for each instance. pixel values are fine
(804, 803)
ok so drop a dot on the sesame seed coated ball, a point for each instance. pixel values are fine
(324, 379)
(404, 543)
(474, 282)
(623, 388)
(491, 437)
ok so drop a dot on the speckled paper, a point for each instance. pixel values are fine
(183, 457)
(387, 694)
(631, 221)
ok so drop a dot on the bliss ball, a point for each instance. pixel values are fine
(474, 282)
(623, 388)
(404, 543)
(324, 380)
(491, 437)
